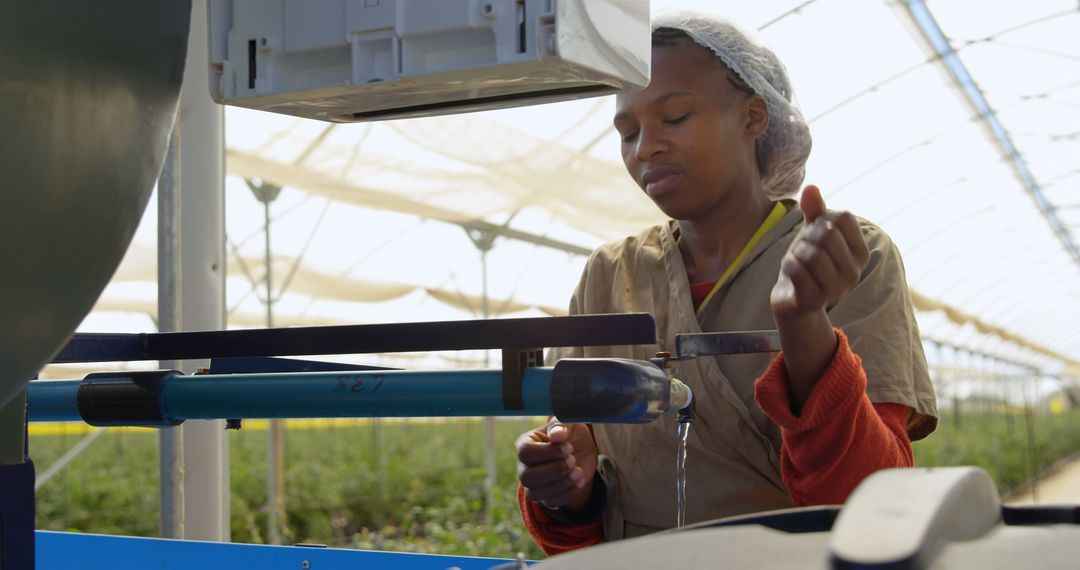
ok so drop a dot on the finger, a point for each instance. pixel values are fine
(827, 237)
(783, 293)
(550, 493)
(816, 259)
(564, 498)
(557, 431)
(577, 475)
(805, 291)
(546, 474)
(811, 203)
(849, 228)
(539, 453)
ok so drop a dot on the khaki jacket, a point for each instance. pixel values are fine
(733, 464)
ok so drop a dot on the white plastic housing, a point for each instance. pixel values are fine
(360, 60)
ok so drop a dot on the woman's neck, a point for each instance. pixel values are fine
(710, 242)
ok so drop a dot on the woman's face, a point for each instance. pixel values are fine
(688, 138)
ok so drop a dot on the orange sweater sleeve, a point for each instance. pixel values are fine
(552, 537)
(840, 437)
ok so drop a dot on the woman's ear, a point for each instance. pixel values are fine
(757, 116)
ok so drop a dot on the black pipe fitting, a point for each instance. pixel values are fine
(125, 398)
(608, 390)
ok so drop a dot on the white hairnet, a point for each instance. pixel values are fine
(784, 147)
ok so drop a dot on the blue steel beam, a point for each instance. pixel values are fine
(973, 95)
(527, 333)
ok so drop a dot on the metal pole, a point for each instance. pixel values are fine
(484, 239)
(206, 451)
(1032, 452)
(489, 422)
(170, 440)
(269, 266)
(275, 457)
(275, 481)
(380, 462)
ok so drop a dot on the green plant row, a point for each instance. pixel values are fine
(419, 487)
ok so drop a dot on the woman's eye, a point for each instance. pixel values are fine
(629, 137)
(676, 120)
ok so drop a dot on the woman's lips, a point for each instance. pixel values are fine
(659, 179)
(660, 183)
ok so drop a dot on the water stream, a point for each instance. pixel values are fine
(680, 474)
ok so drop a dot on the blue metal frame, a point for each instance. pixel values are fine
(530, 333)
(248, 365)
(64, 551)
(348, 392)
(17, 516)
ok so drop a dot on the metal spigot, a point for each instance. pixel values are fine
(681, 399)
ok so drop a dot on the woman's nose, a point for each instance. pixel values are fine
(649, 144)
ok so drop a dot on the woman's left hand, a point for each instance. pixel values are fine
(825, 261)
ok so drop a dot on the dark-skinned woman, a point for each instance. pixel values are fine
(717, 144)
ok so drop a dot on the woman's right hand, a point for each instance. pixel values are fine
(557, 464)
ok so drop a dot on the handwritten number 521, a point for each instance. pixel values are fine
(357, 384)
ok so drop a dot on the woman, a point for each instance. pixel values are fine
(716, 143)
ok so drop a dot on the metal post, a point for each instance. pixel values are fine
(170, 440)
(380, 463)
(484, 240)
(275, 460)
(489, 423)
(202, 165)
(276, 480)
(1029, 429)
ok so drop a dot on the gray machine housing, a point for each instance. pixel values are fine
(933, 518)
(359, 60)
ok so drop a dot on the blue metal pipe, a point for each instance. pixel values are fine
(576, 390)
(395, 393)
(53, 401)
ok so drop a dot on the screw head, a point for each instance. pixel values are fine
(305, 564)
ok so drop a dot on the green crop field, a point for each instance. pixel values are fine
(420, 487)
(1000, 444)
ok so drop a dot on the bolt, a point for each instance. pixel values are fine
(305, 564)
